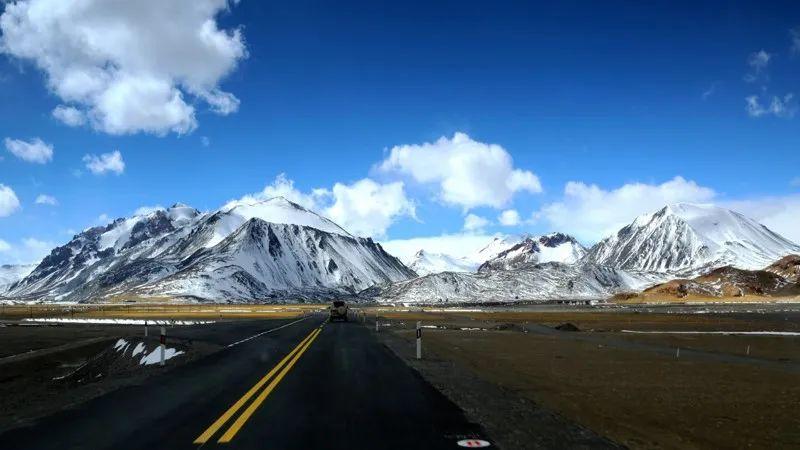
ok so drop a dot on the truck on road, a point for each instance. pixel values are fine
(338, 311)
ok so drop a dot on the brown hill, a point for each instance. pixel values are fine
(723, 282)
(788, 267)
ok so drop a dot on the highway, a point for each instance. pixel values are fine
(282, 384)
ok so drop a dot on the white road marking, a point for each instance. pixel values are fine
(265, 332)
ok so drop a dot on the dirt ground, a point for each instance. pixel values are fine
(631, 388)
(47, 367)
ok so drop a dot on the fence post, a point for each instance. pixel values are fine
(419, 340)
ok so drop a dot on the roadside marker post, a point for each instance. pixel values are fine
(145, 328)
(376, 322)
(748, 350)
(678, 352)
(163, 344)
(419, 340)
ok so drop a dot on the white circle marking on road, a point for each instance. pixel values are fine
(473, 443)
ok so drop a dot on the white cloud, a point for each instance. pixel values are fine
(44, 199)
(710, 91)
(9, 203)
(29, 250)
(780, 214)
(107, 162)
(127, 67)
(474, 222)
(758, 62)
(469, 173)
(365, 208)
(35, 151)
(103, 219)
(779, 107)
(509, 218)
(461, 245)
(205, 141)
(591, 213)
(69, 115)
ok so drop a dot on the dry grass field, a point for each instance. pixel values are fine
(631, 387)
(172, 311)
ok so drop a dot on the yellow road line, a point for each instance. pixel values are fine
(240, 421)
(203, 438)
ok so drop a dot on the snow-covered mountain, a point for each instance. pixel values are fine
(553, 247)
(496, 246)
(11, 273)
(527, 282)
(244, 251)
(425, 263)
(687, 239)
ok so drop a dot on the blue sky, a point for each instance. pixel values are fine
(619, 98)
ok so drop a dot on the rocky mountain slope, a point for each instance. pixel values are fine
(732, 282)
(553, 247)
(244, 251)
(685, 239)
(788, 267)
(525, 282)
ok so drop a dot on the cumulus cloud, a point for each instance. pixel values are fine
(69, 115)
(127, 67)
(468, 173)
(474, 222)
(590, 212)
(758, 62)
(105, 163)
(509, 218)
(33, 151)
(779, 106)
(27, 251)
(44, 199)
(365, 207)
(368, 208)
(9, 203)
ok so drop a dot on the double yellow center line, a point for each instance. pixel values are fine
(281, 369)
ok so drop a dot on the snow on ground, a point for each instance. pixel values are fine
(118, 321)
(750, 333)
(154, 357)
(140, 348)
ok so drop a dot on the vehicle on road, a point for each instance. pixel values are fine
(338, 311)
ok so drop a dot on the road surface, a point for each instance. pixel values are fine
(306, 384)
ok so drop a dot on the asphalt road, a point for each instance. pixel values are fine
(305, 385)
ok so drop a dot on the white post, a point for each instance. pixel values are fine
(163, 344)
(145, 328)
(376, 322)
(678, 352)
(419, 340)
(748, 350)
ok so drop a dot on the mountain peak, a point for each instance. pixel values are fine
(280, 210)
(688, 237)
